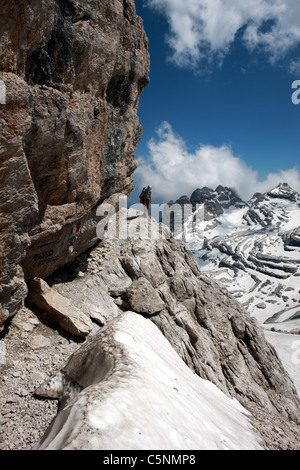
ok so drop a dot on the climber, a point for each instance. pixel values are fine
(145, 199)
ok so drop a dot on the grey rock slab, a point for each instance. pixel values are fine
(59, 308)
(143, 298)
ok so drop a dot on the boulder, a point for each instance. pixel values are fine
(59, 308)
(143, 298)
(4, 314)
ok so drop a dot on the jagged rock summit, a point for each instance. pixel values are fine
(210, 331)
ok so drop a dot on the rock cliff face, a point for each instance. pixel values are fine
(73, 72)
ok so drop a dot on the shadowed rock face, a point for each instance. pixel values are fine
(73, 73)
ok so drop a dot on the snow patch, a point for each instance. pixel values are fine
(161, 404)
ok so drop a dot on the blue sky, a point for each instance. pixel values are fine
(218, 108)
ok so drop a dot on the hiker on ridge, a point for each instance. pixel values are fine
(145, 199)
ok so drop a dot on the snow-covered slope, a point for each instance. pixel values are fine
(254, 249)
(150, 399)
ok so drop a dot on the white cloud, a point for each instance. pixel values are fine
(173, 170)
(203, 28)
(295, 67)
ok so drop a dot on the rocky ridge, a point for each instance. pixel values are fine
(208, 329)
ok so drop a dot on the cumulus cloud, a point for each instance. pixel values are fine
(203, 28)
(173, 170)
(295, 67)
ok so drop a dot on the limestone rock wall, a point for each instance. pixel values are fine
(73, 73)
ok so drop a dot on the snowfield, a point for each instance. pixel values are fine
(149, 400)
(288, 350)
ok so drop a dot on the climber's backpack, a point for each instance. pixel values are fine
(144, 195)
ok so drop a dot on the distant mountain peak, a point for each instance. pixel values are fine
(284, 191)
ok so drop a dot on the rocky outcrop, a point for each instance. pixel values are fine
(18, 199)
(204, 205)
(215, 202)
(208, 329)
(73, 73)
(143, 298)
(59, 308)
(291, 239)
